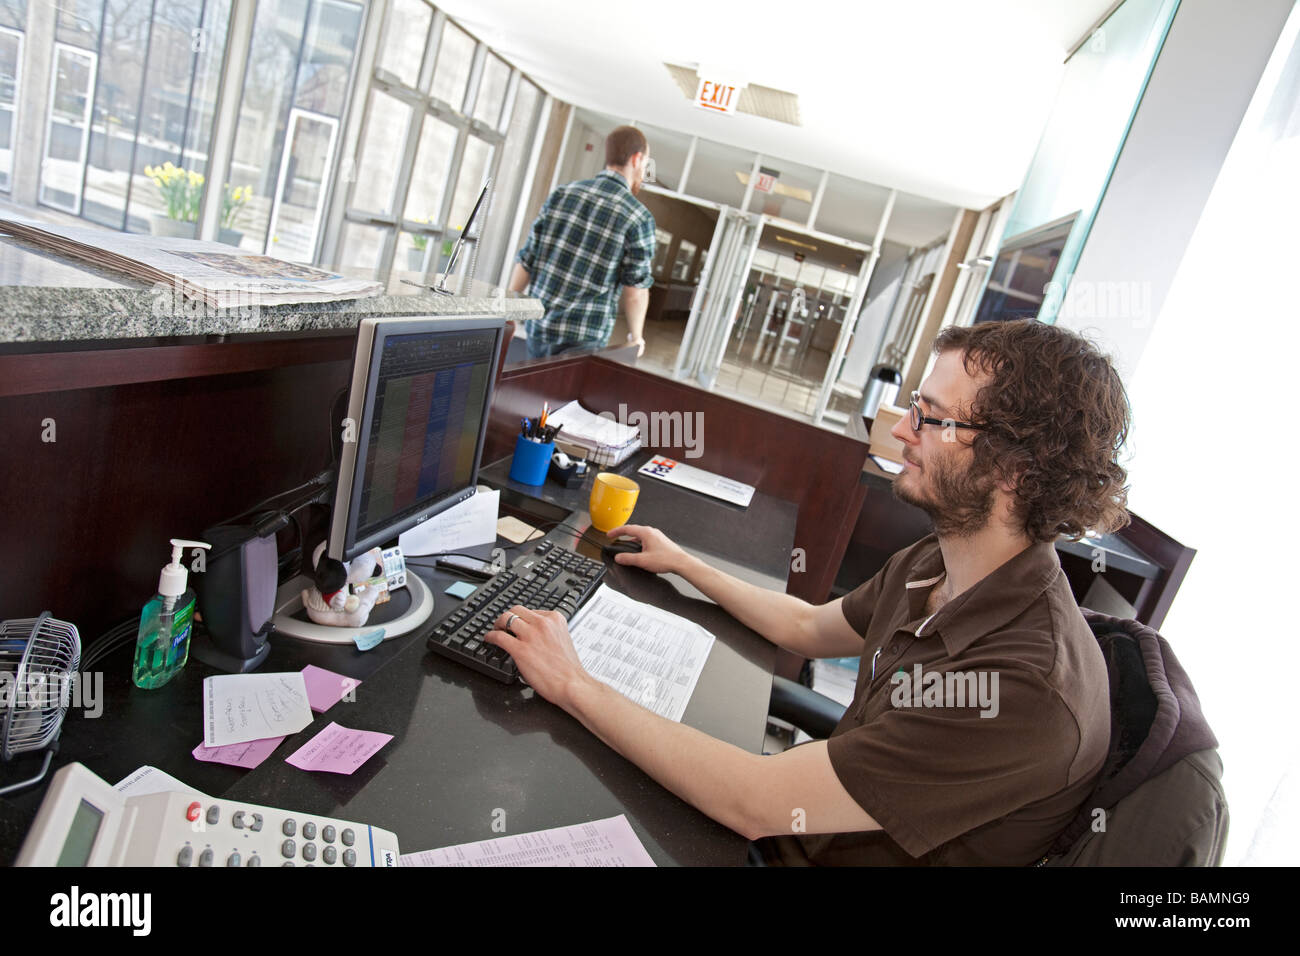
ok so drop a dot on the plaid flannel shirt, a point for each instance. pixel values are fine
(590, 239)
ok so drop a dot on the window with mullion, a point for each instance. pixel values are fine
(388, 120)
(406, 40)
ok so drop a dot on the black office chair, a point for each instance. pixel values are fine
(802, 707)
(1160, 788)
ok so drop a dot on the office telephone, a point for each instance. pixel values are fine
(85, 822)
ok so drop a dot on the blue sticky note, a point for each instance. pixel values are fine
(461, 589)
(365, 642)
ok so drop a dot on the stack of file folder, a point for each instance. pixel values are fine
(601, 440)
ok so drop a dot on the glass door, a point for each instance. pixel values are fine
(67, 133)
(718, 297)
(300, 190)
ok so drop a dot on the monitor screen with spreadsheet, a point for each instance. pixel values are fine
(415, 426)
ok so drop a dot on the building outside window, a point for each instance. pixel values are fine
(295, 92)
(13, 19)
(133, 86)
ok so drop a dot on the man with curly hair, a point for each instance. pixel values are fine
(981, 715)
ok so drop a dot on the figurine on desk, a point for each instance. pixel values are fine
(345, 593)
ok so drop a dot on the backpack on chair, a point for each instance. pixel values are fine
(1159, 799)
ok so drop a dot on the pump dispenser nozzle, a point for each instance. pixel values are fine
(175, 576)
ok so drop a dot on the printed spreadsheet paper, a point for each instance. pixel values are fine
(646, 654)
(609, 842)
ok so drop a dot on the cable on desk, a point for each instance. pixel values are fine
(109, 642)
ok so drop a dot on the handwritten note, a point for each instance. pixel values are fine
(241, 707)
(326, 688)
(247, 755)
(338, 750)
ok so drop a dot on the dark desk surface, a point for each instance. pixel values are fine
(465, 746)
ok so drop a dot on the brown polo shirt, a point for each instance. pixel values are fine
(947, 785)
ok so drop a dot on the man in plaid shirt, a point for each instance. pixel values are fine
(591, 239)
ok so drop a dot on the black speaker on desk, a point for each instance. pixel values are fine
(236, 595)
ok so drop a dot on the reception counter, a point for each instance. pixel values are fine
(130, 417)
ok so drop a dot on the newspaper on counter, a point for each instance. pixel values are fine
(216, 274)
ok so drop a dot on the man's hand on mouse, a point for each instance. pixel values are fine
(658, 553)
(543, 651)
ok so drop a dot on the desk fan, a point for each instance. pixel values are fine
(38, 658)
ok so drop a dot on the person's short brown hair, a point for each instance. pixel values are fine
(1057, 417)
(622, 144)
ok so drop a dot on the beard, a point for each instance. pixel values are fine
(961, 501)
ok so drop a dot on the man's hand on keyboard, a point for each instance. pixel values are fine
(542, 649)
(658, 553)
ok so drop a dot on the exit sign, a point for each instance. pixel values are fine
(766, 180)
(717, 95)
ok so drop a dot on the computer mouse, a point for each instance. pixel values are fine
(622, 546)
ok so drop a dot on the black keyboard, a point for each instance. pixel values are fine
(551, 578)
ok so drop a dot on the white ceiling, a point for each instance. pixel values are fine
(941, 98)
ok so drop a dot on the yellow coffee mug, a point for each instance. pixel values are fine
(612, 499)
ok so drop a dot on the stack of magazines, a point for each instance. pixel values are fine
(220, 276)
(598, 438)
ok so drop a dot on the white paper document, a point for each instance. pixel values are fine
(609, 842)
(473, 521)
(647, 655)
(587, 427)
(240, 707)
(147, 779)
(697, 479)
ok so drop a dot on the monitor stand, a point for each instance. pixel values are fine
(406, 610)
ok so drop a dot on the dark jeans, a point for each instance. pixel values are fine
(543, 349)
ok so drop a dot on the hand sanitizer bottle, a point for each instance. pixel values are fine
(163, 645)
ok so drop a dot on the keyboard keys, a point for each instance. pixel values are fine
(552, 578)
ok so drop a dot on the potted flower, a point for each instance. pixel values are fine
(447, 246)
(420, 241)
(181, 192)
(232, 203)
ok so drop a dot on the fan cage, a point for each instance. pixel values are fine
(38, 660)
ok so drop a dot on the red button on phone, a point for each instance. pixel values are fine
(192, 813)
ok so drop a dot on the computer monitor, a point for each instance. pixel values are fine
(416, 421)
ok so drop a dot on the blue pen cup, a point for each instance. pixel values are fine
(532, 459)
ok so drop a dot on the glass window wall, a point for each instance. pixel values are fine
(133, 88)
(295, 90)
(492, 91)
(451, 70)
(508, 185)
(422, 162)
(11, 60)
(406, 34)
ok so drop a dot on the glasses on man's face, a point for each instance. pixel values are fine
(918, 419)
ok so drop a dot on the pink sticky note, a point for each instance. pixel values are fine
(338, 750)
(248, 754)
(325, 688)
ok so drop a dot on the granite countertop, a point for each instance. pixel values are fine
(47, 298)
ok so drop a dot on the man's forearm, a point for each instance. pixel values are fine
(518, 279)
(714, 776)
(635, 303)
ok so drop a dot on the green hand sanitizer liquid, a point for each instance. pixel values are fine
(162, 645)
